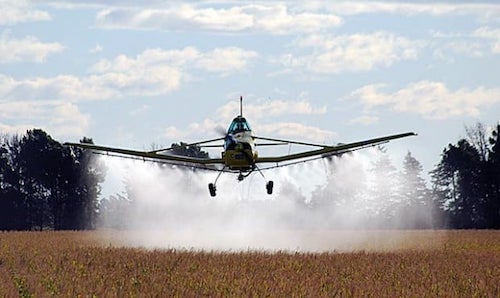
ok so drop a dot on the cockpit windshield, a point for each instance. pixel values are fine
(239, 124)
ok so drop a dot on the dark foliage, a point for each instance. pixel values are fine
(467, 180)
(45, 185)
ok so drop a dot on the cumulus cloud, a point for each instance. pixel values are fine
(20, 11)
(356, 52)
(481, 10)
(27, 49)
(62, 87)
(296, 130)
(152, 72)
(271, 108)
(273, 18)
(58, 117)
(432, 100)
(258, 111)
(491, 34)
(206, 127)
(364, 120)
(226, 60)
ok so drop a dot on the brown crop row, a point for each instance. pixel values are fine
(72, 264)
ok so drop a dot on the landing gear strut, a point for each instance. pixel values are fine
(211, 186)
(213, 189)
(269, 184)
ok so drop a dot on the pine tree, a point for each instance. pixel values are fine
(383, 193)
(492, 174)
(416, 206)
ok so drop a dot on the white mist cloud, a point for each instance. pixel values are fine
(172, 207)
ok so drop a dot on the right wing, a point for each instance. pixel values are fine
(326, 151)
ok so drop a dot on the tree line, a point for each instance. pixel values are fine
(466, 182)
(464, 191)
(44, 185)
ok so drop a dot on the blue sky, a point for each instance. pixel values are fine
(133, 73)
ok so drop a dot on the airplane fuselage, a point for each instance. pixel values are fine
(239, 146)
(240, 153)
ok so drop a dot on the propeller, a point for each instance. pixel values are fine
(220, 131)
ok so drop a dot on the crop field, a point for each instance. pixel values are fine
(87, 264)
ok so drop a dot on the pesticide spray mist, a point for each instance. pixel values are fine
(171, 207)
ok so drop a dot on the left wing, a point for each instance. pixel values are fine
(326, 151)
(153, 155)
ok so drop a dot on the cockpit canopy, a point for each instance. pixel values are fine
(239, 124)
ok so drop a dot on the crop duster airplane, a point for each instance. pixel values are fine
(239, 154)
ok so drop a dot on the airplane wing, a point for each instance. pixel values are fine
(326, 151)
(151, 155)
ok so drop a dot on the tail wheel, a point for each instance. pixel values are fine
(211, 189)
(269, 187)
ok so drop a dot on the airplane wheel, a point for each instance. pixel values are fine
(269, 187)
(211, 189)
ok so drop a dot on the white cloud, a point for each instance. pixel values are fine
(364, 120)
(27, 49)
(259, 111)
(490, 34)
(296, 131)
(431, 100)
(153, 72)
(484, 11)
(274, 18)
(62, 87)
(356, 52)
(96, 49)
(289, 130)
(67, 120)
(270, 108)
(207, 127)
(173, 132)
(226, 60)
(58, 118)
(20, 11)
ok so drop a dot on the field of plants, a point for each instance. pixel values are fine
(86, 264)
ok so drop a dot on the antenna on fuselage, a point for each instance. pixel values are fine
(241, 106)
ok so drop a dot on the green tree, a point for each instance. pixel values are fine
(45, 185)
(12, 208)
(416, 208)
(492, 175)
(460, 166)
(383, 194)
(84, 173)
